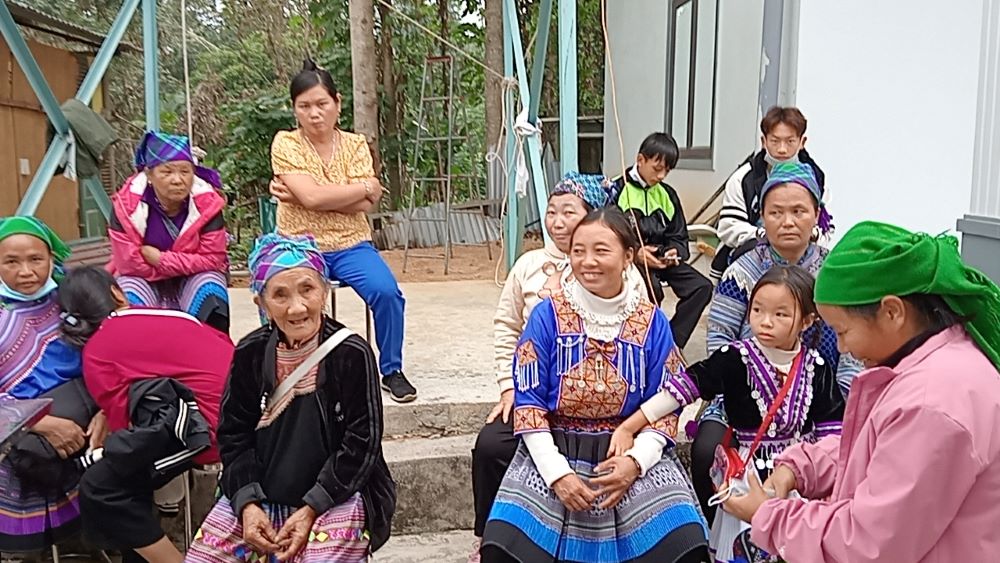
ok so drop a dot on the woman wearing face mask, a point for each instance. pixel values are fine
(300, 431)
(915, 476)
(38, 495)
(782, 139)
(168, 237)
(537, 275)
(791, 209)
(589, 356)
(325, 186)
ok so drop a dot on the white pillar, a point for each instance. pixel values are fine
(981, 226)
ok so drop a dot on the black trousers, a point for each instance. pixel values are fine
(693, 291)
(710, 434)
(494, 449)
(117, 510)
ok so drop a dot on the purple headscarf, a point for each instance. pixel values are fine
(274, 254)
(158, 148)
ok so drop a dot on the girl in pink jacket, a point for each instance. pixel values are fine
(915, 474)
(168, 237)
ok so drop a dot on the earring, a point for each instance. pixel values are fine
(625, 274)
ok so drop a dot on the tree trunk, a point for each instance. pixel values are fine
(364, 74)
(494, 60)
(443, 19)
(392, 105)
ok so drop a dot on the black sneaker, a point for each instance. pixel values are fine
(399, 388)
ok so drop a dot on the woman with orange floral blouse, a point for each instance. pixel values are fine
(325, 184)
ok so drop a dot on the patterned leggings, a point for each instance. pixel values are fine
(202, 295)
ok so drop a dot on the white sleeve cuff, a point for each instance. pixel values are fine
(506, 382)
(551, 464)
(647, 449)
(659, 406)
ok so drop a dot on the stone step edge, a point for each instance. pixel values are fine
(420, 448)
(434, 419)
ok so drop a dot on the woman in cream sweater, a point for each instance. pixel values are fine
(537, 275)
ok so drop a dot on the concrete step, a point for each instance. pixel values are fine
(433, 483)
(429, 419)
(442, 547)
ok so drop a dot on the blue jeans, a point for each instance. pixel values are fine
(362, 269)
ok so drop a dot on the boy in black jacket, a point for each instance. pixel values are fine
(654, 208)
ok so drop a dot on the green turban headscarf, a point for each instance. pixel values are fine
(33, 226)
(874, 260)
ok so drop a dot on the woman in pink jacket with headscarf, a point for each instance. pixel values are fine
(915, 475)
(168, 237)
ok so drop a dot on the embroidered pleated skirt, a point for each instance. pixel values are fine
(337, 536)
(203, 296)
(658, 519)
(31, 520)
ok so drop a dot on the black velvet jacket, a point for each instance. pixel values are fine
(724, 373)
(325, 446)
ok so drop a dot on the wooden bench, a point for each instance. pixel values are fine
(89, 252)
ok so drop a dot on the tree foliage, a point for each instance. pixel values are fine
(243, 52)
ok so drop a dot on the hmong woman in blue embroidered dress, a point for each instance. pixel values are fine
(38, 486)
(588, 358)
(791, 207)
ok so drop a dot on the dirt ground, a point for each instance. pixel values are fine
(427, 264)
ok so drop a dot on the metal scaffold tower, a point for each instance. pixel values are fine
(61, 140)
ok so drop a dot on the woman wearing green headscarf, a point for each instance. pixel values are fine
(38, 497)
(915, 476)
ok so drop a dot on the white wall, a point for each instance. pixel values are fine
(638, 31)
(737, 82)
(639, 34)
(889, 89)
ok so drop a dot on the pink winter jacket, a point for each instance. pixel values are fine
(200, 246)
(913, 477)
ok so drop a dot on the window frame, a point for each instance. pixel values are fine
(691, 157)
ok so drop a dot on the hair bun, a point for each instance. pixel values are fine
(309, 64)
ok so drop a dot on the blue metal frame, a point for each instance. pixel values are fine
(56, 152)
(530, 94)
(538, 64)
(110, 46)
(529, 97)
(569, 138)
(513, 226)
(150, 59)
(22, 54)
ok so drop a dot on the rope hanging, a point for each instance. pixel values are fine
(187, 72)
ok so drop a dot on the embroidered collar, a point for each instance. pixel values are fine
(781, 359)
(633, 175)
(765, 383)
(602, 318)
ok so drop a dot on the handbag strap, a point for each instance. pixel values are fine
(310, 362)
(778, 399)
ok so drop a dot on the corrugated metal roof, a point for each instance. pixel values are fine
(32, 18)
(466, 228)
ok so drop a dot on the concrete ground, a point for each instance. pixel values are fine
(444, 547)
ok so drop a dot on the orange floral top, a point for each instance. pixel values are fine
(352, 162)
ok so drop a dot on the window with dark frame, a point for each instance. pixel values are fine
(692, 61)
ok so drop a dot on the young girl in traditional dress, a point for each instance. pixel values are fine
(749, 375)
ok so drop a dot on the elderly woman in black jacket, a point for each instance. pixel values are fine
(300, 430)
